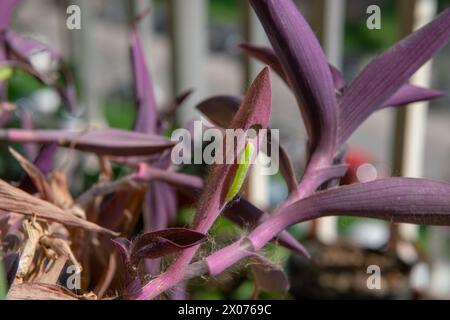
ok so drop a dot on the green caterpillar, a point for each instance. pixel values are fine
(241, 172)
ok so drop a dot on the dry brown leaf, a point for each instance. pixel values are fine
(60, 189)
(39, 291)
(60, 246)
(49, 274)
(33, 232)
(39, 180)
(13, 199)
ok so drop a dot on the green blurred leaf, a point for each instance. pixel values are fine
(5, 73)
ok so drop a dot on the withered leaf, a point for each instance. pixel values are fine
(13, 199)
(39, 291)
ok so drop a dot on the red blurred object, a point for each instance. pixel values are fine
(354, 159)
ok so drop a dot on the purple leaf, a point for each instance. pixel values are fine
(146, 120)
(169, 110)
(123, 246)
(306, 66)
(44, 162)
(409, 94)
(23, 48)
(286, 169)
(408, 200)
(101, 141)
(268, 56)
(220, 110)
(267, 275)
(45, 157)
(254, 111)
(338, 78)
(160, 243)
(7, 8)
(382, 77)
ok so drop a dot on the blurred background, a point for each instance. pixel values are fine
(193, 44)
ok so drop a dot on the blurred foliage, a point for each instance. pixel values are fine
(225, 11)
(119, 113)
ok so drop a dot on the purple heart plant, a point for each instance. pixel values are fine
(101, 228)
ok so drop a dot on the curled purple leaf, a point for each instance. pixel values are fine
(220, 110)
(156, 244)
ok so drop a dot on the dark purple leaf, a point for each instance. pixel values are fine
(306, 66)
(382, 77)
(100, 141)
(123, 246)
(220, 110)
(169, 110)
(10, 265)
(267, 275)
(44, 163)
(153, 245)
(268, 57)
(146, 120)
(409, 94)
